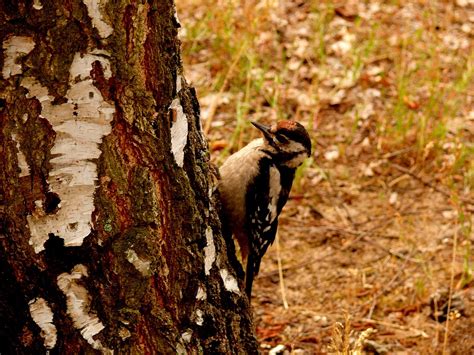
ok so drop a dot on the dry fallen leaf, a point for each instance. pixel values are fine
(219, 145)
(411, 104)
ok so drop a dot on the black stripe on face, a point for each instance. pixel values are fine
(299, 136)
(281, 156)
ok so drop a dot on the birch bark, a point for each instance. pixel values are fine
(109, 235)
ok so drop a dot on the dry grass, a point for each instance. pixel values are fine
(341, 339)
(380, 218)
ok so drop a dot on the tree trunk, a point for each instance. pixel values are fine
(109, 234)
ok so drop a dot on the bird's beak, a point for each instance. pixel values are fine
(264, 129)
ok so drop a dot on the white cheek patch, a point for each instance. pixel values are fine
(297, 161)
(295, 147)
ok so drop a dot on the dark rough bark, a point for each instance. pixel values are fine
(143, 199)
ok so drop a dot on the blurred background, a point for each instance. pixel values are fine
(378, 231)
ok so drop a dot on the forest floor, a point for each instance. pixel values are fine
(378, 232)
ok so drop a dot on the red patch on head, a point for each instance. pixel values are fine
(295, 131)
(290, 125)
(283, 125)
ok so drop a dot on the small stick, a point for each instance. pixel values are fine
(428, 183)
(386, 288)
(390, 252)
(280, 273)
(293, 267)
(395, 326)
(451, 287)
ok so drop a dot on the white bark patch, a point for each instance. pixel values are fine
(80, 125)
(82, 64)
(13, 48)
(179, 127)
(37, 5)
(176, 17)
(179, 132)
(180, 349)
(94, 8)
(187, 336)
(209, 251)
(143, 266)
(279, 349)
(199, 317)
(78, 306)
(35, 89)
(43, 317)
(201, 294)
(24, 169)
(230, 282)
(124, 333)
(178, 84)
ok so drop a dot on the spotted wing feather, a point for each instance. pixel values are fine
(261, 224)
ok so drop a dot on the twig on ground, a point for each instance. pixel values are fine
(292, 267)
(349, 217)
(451, 287)
(397, 152)
(386, 288)
(388, 251)
(362, 236)
(428, 183)
(418, 332)
(280, 273)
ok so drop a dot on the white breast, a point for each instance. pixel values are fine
(236, 173)
(274, 193)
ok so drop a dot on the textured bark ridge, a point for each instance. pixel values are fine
(109, 236)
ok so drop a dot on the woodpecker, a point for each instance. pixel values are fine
(254, 186)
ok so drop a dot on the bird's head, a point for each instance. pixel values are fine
(287, 142)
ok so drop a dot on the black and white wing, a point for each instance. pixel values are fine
(265, 201)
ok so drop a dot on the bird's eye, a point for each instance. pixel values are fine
(281, 138)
